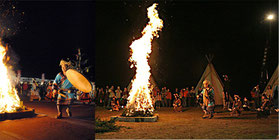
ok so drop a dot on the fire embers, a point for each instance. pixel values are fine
(9, 100)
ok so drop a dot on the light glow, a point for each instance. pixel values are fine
(139, 96)
(9, 100)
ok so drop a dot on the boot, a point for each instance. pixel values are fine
(211, 116)
(205, 116)
(59, 110)
(69, 113)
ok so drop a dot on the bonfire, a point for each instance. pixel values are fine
(9, 100)
(139, 100)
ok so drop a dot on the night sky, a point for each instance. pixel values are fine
(235, 32)
(52, 31)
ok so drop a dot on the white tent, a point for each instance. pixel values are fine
(211, 75)
(273, 80)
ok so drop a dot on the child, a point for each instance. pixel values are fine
(237, 104)
(264, 110)
(246, 106)
(114, 104)
(177, 104)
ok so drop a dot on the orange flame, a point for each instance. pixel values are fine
(139, 97)
(9, 99)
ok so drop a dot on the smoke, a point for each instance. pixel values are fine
(10, 18)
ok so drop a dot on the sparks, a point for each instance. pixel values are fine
(139, 96)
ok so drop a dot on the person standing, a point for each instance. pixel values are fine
(118, 93)
(188, 97)
(192, 95)
(168, 97)
(25, 88)
(125, 97)
(106, 97)
(49, 95)
(35, 91)
(158, 100)
(182, 97)
(208, 100)
(226, 92)
(163, 95)
(255, 93)
(63, 88)
(111, 95)
(101, 97)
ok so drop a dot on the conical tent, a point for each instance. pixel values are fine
(211, 75)
(273, 80)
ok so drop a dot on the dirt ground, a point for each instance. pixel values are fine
(189, 125)
(44, 126)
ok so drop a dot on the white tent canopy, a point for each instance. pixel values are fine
(211, 75)
(273, 80)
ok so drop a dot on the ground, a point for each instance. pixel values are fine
(45, 126)
(189, 124)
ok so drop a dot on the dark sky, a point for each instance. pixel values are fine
(234, 31)
(52, 31)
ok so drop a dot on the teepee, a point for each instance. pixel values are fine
(211, 75)
(273, 80)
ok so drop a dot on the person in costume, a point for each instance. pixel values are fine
(177, 107)
(237, 106)
(255, 94)
(264, 110)
(226, 92)
(114, 104)
(208, 100)
(118, 93)
(63, 87)
(49, 96)
(34, 91)
(246, 104)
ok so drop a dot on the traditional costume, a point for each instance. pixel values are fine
(264, 110)
(237, 106)
(177, 107)
(34, 92)
(63, 86)
(246, 104)
(49, 96)
(115, 104)
(208, 100)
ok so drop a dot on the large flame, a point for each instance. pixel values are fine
(139, 97)
(9, 99)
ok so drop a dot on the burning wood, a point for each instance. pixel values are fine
(139, 100)
(9, 100)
